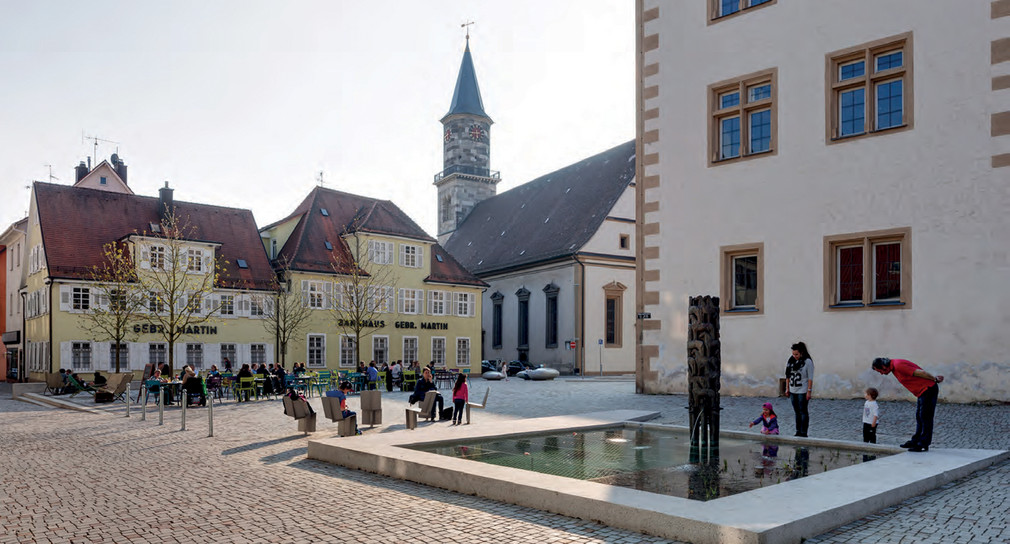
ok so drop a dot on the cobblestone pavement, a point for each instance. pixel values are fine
(69, 476)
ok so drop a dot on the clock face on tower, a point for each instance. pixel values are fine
(476, 133)
(448, 134)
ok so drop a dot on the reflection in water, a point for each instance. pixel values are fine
(655, 460)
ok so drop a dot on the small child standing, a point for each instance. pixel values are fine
(460, 395)
(769, 423)
(871, 413)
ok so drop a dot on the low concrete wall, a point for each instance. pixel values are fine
(19, 389)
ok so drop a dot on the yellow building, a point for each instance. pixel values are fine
(226, 292)
(362, 269)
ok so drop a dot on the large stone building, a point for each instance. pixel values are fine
(365, 270)
(558, 251)
(841, 179)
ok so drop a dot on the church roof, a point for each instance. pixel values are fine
(545, 219)
(326, 215)
(76, 223)
(466, 96)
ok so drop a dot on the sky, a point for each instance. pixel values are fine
(244, 103)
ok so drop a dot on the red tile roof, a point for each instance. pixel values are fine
(305, 249)
(76, 223)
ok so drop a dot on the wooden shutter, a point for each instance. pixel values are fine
(66, 292)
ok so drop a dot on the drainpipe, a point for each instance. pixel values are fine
(21, 353)
(580, 319)
(49, 281)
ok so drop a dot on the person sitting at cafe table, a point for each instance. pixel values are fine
(155, 389)
(373, 376)
(279, 375)
(214, 371)
(99, 380)
(244, 372)
(264, 374)
(344, 389)
(192, 385)
(425, 384)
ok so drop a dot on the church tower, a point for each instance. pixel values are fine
(466, 177)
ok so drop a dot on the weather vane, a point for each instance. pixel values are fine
(466, 25)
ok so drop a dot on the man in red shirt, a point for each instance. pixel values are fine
(922, 384)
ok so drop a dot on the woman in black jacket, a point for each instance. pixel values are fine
(425, 384)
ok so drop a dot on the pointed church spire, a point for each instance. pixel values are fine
(466, 96)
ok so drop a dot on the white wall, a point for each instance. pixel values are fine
(935, 179)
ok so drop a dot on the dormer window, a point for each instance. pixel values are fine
(103, 181)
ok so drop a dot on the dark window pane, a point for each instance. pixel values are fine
(850, 274)
(727, 7)
(759, 92)
(729, 138)
(887, 271)
(888, 61)
(611, 332)
(496, 327)
(745, 281)
(849, 71)
(760, 131)
(729, 99)
(889, 104)
(552, 321)
(524, 323)
(852, 114)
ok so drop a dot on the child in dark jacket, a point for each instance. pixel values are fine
(769, 423)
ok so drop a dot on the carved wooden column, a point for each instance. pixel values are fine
(704, 367)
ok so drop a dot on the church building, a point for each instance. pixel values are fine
(557, 252)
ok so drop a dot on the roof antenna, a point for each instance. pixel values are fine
(466, 25)
(96, 139)
(51, 176)
(319, 178)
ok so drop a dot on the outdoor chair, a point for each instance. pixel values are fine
(214, 385)
(424, 409)
(120, 391)
(481, 405)
(371, 408)
(290, 381)
(54, 383)
(299, 409)
(154, 389)
(332, 411)
(247, 386)
(321, 382)
(409, 381)
(78, 387)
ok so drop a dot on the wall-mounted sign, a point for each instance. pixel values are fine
(434, 326)
(365, 323)
(148, 328)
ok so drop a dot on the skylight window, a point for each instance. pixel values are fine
(329, 246)
(438, 257)
(242, 263)
(546, 220)
(155, 227)
(324, 212)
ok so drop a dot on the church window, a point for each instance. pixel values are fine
(551, 317)
(446, 208)
(523, 336)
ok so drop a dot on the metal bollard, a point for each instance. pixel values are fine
(161, 405)
(127, 400)
(185, 402)
(143, 411)
(210, 417)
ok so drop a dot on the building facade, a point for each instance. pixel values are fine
(12, 243)
(557, 252)
(376, 287)
(226, 285)
(841, 180)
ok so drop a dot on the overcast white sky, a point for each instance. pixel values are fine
(242, 103)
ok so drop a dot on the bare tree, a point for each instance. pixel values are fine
(364, 289)
(289, 316)
(177, 277)
(115, 302)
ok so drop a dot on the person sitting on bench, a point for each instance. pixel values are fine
(425, 384)
(341, 393)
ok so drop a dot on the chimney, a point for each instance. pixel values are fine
(119, 166)
(81, 171)
(167, 206)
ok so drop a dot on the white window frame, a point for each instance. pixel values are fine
(194, 260)
(405, 352)
(438, 302)
(411, 301)
(315, 356)
(124, 362)
(438, 354)
(376, 339)
(348, 353)
(462, 352)
(380, 252)
(411, 256)
(227, 307)
(258, 349)
(80, 299)
(194, 349)
(464, 304)
(157, 257)
(81, 356)
(157, 348)
(381, 299)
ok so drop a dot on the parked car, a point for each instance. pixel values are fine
(490, 366)
(516, 366)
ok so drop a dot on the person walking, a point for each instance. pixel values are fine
(800, 385)
(871, 414)
(925, 387)
(460, 394)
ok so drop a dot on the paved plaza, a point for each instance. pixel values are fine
(72, 476)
